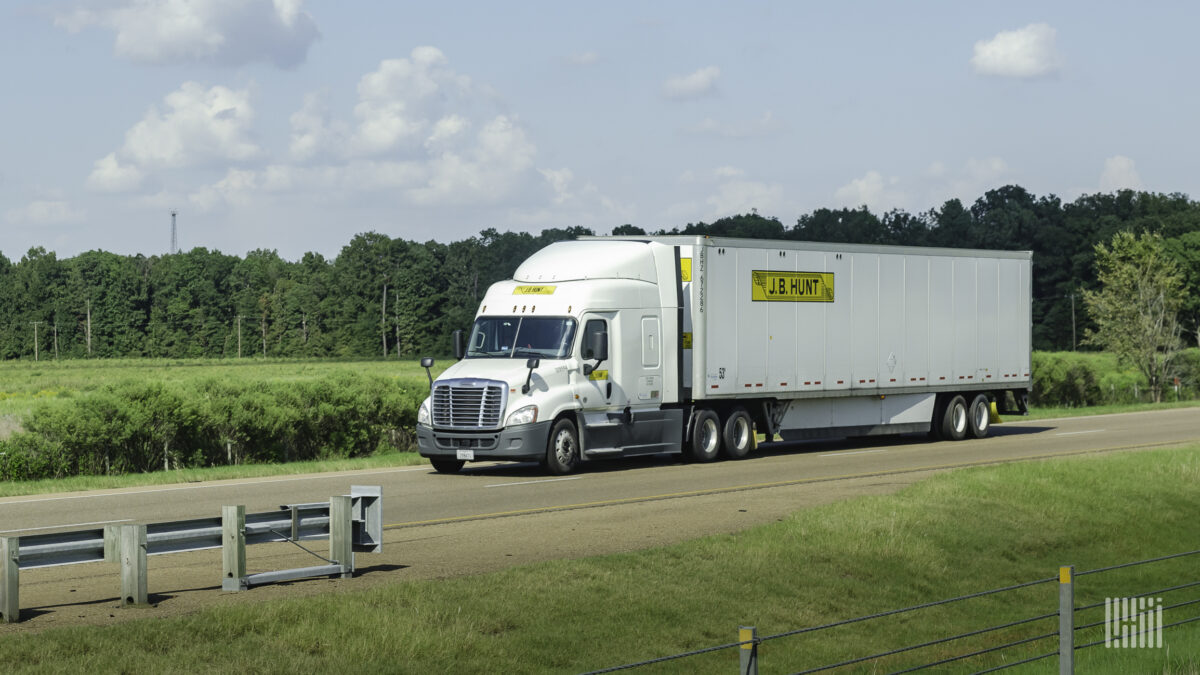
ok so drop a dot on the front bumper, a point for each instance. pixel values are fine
(522, 443)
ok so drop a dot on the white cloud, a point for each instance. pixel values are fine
(699, 83)
(314, 133)
(109, 175)
(877, 193)
(724, 191)
(201, 31)
(1119, 174)
(763, 126)
(1025, 53)
(968, 183)
(44, 213)
(199, 125)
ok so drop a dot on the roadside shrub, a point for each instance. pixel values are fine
(139, 426)
(1073, 379)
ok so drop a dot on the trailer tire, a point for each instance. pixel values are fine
(979, 416)
(705, 444)
(562, 450)
(954, 424)
(738, 434)
(446, 465)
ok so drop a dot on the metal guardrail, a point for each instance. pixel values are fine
(353, 523)
(748, 640)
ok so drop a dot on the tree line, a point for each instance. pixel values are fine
(390, 297)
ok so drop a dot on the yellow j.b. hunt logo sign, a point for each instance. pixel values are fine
(533, 290)
(791, 286)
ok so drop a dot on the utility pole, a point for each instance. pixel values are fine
(174, 241)
(35, 338)
(239, 324)
(56, 339)
(89, 327)
(1072, 322)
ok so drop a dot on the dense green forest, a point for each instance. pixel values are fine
(401, 298)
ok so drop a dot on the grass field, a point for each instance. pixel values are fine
(956, 533)
(24, 384)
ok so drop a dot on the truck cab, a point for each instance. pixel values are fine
(565, 362)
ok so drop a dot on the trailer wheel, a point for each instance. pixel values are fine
(738, 434)
(979, 416)
(562, 452)
(445, 465)
(706, 436)
(954, 419)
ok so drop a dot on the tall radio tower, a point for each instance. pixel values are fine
(174, 241)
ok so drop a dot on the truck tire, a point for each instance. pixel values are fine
(446, 465)
(706, 436)
(738, 434)
(562, 450)
(979, 416)
(954, 419)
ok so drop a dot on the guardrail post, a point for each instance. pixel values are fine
(341, 534)
(112, 543)
(133, 565)
(1066, 620)
(10, 578)
(233, 547)
(748, 654)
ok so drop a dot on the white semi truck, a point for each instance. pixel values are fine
(619, 346)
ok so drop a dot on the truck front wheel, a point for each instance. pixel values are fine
(706, 436)
(562, 452)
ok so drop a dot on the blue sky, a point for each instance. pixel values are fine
(293, 125)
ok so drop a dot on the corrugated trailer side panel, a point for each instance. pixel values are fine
(897, 320)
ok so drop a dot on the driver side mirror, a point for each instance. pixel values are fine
(596, 347)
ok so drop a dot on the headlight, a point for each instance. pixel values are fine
(526, 415)
(423, 413)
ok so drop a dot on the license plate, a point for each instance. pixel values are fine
(468, 455)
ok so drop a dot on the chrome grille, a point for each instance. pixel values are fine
(468, 404)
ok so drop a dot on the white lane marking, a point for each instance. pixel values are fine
(856, 452)
(1076, 433)
(531, 482)
(55, 527)
(221, 485)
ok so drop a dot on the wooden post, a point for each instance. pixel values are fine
(233, 547)
(133, 565)
(341, 534)
(10, 577)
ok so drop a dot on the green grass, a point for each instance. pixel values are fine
(956, 533)
(24, 384)
(1045, 413)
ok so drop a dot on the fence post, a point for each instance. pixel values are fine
(1066, 620)
(112, 543)
(748, 654)
(341, 536)
(133, 565)
(10, 577)
(233, 547)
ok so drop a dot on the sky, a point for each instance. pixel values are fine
(295, 124)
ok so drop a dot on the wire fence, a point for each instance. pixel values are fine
(1129, 621)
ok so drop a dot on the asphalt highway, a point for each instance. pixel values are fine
(418, 496)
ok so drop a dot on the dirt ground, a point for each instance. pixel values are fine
(181, 584)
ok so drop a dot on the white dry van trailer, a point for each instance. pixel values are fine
(619, 346)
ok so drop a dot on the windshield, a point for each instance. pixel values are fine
(517, 337)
